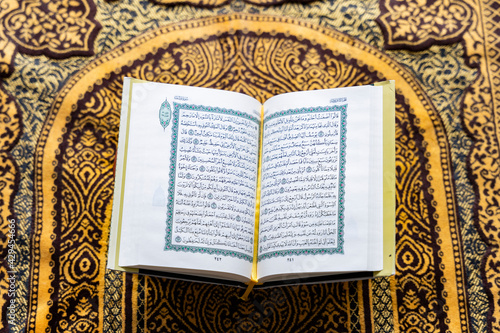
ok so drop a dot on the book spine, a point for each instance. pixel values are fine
(253, 278)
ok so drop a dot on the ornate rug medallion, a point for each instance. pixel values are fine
(261, 56)
(57, 29)
(416, 25)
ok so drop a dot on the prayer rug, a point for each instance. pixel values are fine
(62, 64)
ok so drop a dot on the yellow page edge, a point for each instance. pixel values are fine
(389, 191)
(123, 166)
(253, 279)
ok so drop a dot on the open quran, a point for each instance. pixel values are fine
(212, 185)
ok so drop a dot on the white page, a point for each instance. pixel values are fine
(341, 238)
(150, 237)
(376, 211)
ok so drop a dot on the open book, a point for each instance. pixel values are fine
(212, 185)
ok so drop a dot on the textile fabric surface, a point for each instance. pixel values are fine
(62, 64)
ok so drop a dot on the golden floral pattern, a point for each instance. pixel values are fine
(481, 112)
(58, 29)
(10, 132)
(417, 24)
(217, 3)
(269, 57)
(7, 47)
(202, 3)
(460, 301)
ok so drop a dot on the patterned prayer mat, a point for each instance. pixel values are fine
(62, 64)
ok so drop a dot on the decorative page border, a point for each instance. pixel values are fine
(171, 184)
(341, 181)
